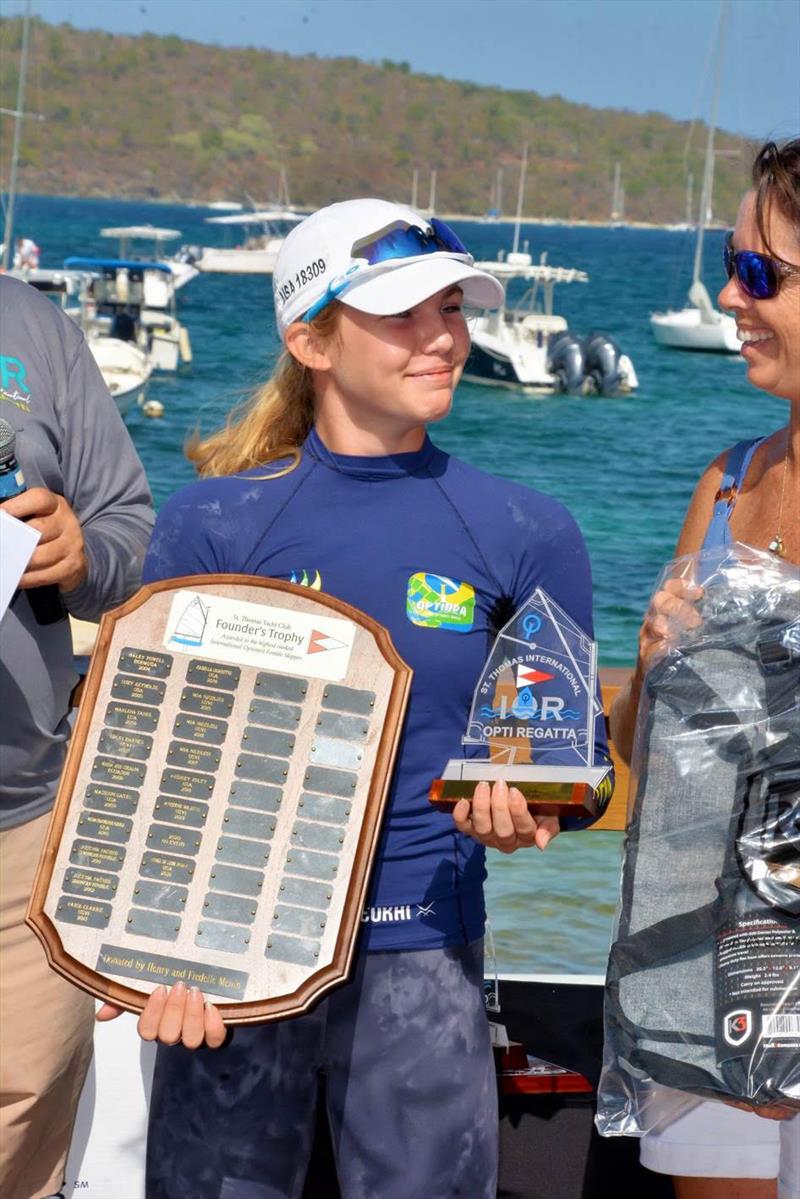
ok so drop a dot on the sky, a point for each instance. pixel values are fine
(642, 55)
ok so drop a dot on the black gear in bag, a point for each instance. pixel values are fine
(703, 986)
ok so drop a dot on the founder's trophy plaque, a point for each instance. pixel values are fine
(222, 797)
(533, 716)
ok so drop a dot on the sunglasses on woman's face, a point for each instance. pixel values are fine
(758, 275)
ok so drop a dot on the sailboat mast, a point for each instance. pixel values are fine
(520, 196)
(499, 190)
(616, 196)
(689, 197)
(432, 194)
(708, 171)
(18, 115)
(414, 189)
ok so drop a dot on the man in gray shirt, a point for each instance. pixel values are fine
(87, 495)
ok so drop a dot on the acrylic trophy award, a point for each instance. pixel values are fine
(222, 797)
(533, 715)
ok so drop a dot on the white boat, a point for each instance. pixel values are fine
(181, 265)
(264, 233)
(527, 346)
(701, 326)
(133, 301)
(125, 368)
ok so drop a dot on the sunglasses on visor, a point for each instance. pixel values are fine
(758, 275)
(404, 242)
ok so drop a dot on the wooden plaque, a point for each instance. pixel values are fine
(222, 797)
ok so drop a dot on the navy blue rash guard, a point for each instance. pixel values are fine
(379, 532)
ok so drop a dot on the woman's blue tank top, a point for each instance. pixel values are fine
(718, 532)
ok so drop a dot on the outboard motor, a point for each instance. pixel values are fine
(601, 357)
(565, 361)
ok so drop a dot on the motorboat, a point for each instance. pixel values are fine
(181, 264)
(264, 233)
(125, 366)
(132, 301)
(527, 346)
(699, 325)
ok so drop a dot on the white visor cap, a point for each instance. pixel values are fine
(317, 260)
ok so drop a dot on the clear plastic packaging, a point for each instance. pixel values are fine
(703, 985)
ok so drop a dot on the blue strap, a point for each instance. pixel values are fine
(718, 532)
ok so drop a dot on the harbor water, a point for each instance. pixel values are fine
(624, 466)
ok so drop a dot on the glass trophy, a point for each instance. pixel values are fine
(534, 710)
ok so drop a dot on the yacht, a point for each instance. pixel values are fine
(263, 235)
(125, 366)
(527, 346)
(699, 325)
(131, 301)
(181, 264)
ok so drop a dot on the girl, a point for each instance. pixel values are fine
(330, 476)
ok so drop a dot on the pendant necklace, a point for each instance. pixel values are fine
(776, 546)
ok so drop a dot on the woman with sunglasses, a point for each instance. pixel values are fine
(330, 475)
(750, 494)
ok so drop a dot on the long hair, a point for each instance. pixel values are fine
(776, 180)
(272, 424)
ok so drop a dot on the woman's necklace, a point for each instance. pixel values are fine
(776, 546)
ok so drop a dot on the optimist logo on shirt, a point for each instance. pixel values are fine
(436, 602)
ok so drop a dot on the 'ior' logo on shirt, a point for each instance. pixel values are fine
(436, 602)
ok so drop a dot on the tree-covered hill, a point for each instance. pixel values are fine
(165, 117)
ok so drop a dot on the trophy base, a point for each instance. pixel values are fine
(548, 790)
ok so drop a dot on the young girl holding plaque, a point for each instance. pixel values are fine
(329, 477)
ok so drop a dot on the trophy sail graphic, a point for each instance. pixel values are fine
(534, 711)
(191, 626)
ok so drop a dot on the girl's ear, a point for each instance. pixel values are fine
(307, 347)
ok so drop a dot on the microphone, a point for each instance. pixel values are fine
(46, 602)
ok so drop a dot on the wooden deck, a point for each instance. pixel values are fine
(612, 678)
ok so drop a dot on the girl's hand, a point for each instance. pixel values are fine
(177, 1016)
(500, 819)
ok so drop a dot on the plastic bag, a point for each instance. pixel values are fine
(703, 984)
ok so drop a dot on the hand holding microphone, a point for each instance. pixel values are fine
(59, 561)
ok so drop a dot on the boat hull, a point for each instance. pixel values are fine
(686, 330)
(237, 262)
(125, 369)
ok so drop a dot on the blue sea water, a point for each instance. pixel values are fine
(625, 467)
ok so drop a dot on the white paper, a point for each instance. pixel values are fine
(17, 543)
(251, 634)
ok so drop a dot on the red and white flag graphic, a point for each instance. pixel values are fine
(319, 642)
(527, 676)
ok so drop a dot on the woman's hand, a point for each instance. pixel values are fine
(500, 819)
(177, 1016)
(772, 1111)
(671, 611)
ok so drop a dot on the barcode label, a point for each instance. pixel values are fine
(783, 1024)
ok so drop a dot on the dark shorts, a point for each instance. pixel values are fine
(410, 1085)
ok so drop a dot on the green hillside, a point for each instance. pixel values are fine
(164, 117)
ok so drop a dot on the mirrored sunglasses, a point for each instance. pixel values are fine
(759, 275)
(402, 242)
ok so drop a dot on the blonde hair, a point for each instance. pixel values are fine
(272, 424)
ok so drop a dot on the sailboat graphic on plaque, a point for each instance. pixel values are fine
(534, 710)
(191, 624)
